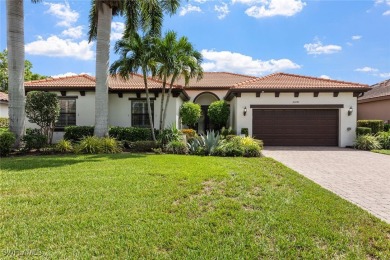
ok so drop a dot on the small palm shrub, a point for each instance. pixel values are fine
(384, 139)
(64, 146)
(89, 145)
(110, 145)
(7, 140)
(169, 134)
(176, 147)
(367, 142)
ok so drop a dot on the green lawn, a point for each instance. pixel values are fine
(382, 151)
(180, 207)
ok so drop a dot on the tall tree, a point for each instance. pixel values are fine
(147, 15)
(136, 53)
(176, 58)
(15, 46)
(28, 74)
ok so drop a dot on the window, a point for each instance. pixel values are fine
(139, 113)
(67, 113)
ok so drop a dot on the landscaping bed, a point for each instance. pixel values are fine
(175, 206)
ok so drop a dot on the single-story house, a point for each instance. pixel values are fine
(3, 104)
(280, 109)
(375, 104)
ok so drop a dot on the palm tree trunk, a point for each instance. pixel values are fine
(102, 64)
(15, 45)
(162, 102)
(149, 106)
(168, 96)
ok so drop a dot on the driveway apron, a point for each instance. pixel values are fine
(360, 177)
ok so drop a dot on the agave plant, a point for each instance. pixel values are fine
(210, 141)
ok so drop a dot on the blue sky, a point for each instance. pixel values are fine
(343, 40)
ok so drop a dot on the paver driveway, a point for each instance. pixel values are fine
(358, 176)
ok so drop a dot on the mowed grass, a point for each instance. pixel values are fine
(176, 207)
(383, 151)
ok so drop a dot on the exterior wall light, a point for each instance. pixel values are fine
(350, 110)
(245, 111)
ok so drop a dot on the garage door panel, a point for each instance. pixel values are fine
(296, 126)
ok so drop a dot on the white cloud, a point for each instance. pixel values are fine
(317, 48)
(56, 47)
(356, 37)
(325, 77)
(68, 74)
(275, 7)
(239, 63)
(249, 2)
(201, 1)
(117, 29)
(366, 69)
(386, 2)
(74, 32)
(189, 9)
(384, 75)
(222, 10)
(63, 12)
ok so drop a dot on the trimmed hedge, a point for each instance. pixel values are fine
(4, 122)
(7, 140)
(375, 125)
(131, 134)
(76, 133)
(386, 127)
(363, 131)
(142, 146)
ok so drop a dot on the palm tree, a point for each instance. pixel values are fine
(15, 46)
(136, 53)
(175, 58)
(147, 15)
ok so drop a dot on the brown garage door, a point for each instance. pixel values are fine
(300, 127)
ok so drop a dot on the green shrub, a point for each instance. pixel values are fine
(252, 147)
(89, 145)
(169, 134)
(110, 145)
(375, 125)
(196, 146)
(176, 147)
(227, 131)
(4, 122)
(384, 139)
(131, 134)
(245, 131)
(386, 127)
(210, 141)
(64, 146)
(367, 142)
(363, 131)
(190, 113)
(230, 148)
(34, 140)
(7, 140)
(143, 146)
(76, 133)
(219, 113)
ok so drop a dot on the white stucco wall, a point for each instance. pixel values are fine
(347, 124)
(3, 109)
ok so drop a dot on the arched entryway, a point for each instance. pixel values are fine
(204, 99)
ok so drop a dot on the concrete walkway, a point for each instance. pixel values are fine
(361, 177)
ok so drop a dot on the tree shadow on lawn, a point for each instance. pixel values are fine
(50, 161)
